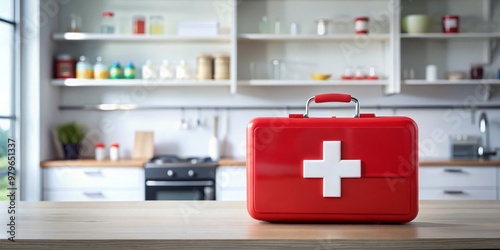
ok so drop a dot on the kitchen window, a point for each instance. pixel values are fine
(8, 85)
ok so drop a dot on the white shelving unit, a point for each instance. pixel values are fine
(452, 82)
(451, 36)
(312, 37)
(74, 36)
(329, 83)
(138, 82)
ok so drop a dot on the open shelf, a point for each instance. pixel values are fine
(76, 36)
(450, 36)
(310, 37)
(137, 82)
(452, 82)
(312, 83)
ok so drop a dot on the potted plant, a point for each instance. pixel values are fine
(71, 135)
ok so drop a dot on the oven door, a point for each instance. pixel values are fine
(180, 190)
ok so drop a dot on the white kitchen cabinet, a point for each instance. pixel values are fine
(93, 183)
(458, 183)
(231, 183)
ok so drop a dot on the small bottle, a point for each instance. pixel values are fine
(115, 71)
(83, 69)
(100, 69)
(166, 71)
(108, 23)
(182, 71)
(100, 152)
(149, 71)
(129, 71)
(114, 152)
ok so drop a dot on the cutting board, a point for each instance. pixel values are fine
(143, 145)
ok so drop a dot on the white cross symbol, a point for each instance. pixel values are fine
(332, 169)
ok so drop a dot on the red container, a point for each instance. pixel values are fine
(65, 67)
(139, 24)
(361, 25)
(331, 169)
(450, 24)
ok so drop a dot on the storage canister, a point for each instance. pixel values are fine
(221, 67)
(203, 67)
(361, 25)
(100, 152)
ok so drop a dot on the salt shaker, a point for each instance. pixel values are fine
(100, 152)
(114, 152)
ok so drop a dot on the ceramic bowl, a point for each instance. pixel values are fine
(417, 23)
(321, 77)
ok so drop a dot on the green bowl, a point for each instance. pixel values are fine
(417, 23)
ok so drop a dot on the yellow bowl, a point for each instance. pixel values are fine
(321, 77)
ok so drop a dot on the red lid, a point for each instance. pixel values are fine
(108, 13)
(115, 145)
(361, 18)
(99, 145)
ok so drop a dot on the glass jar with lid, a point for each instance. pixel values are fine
(156, 25)
(108, 22)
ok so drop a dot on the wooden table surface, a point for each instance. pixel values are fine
(212, 224)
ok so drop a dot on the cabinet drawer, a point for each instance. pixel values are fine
(457, 194)
(231, 177)
(232, 194)
(69, 177)
(94, 195)
(457, 177)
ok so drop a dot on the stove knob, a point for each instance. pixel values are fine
(191, 173)
(170, 173)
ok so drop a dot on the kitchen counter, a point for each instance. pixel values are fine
(139, 163)
(212, 224)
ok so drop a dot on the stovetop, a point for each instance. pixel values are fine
(176, 161)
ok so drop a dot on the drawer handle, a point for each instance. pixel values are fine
(94, 194)
(453, 170)
(98, 172)
(453, 192)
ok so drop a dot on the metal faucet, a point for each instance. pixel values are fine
(484, 128)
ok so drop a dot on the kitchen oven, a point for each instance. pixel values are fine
(172, 178)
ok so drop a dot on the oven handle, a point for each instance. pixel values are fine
(178, 183)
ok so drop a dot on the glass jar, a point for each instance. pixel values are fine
(450, 23)
(156, 24)
(139, 24)
(361, 25)
(221, 67)
(108, 23)
(476, 71)
(65, 66)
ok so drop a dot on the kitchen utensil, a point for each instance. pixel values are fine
(143, 145)
(321, 77)
(213, 143)
(417, 23)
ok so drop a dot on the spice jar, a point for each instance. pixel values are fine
(450, 23)
(65, 67)
(361, 25)
(114, 152)
(476, 71)
(139, 24)
(100, 152)
(221, 67)
(203, 67)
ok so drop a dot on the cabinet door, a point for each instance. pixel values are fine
(94, 195)
(457, 177)
(458, 194)
(91, 177)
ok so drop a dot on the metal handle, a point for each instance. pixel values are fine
(179, 183)
(332, 97)
(93, 194)
(98, 172)
(453, 170)
(453, 192)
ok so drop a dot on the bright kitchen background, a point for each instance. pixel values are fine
(46, 103)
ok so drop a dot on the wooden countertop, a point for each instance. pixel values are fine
(93, 163)
(215, 224)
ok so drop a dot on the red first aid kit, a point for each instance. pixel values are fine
(328, 169)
